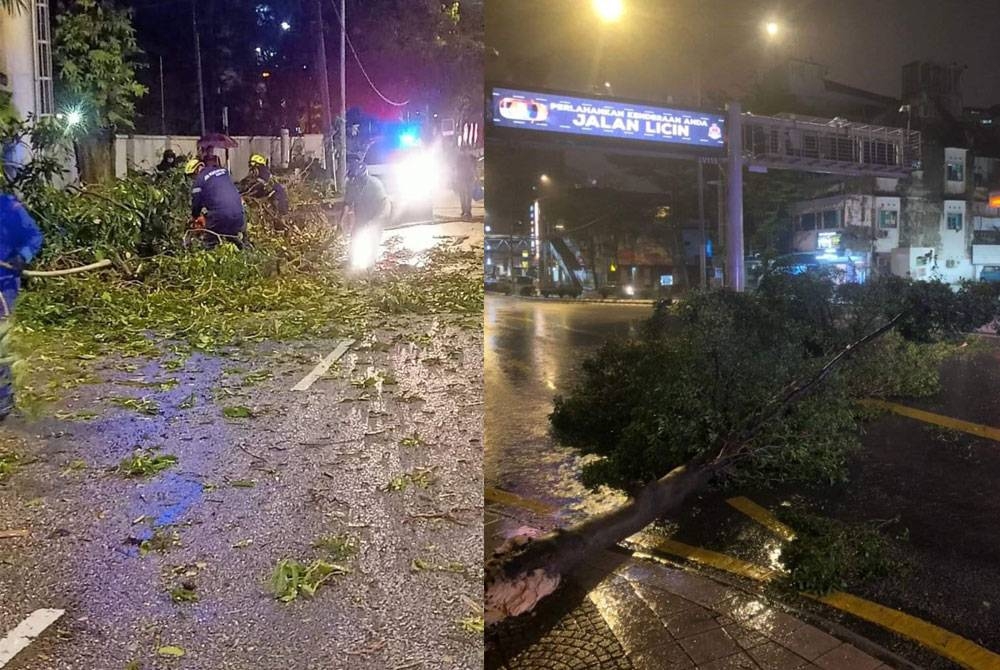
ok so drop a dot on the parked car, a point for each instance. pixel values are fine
(990, 273)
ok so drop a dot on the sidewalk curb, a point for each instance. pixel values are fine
(833, 628)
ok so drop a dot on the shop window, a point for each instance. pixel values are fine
(954, 221)
(831, 219)
(956, 171)
(807, 221)
(888, 218)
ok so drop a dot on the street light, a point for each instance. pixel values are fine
(73, 118)
(772, 28)
(609, 10)
(544, 179)
(285, 25)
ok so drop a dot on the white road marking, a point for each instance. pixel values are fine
(26, 632)
(323, 366)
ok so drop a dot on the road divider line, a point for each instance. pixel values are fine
(26, 632)
(966, 653)
(501, 497)
(942, 642)
(763, 517)
(323, 366)
(989, 432)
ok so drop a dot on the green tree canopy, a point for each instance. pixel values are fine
(96, 56)
(708, 375)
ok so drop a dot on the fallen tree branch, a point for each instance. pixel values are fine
(526, 569)
(61, 273)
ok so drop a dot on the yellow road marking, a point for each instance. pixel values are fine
(977, 429)
(705, 557)
(964, 652)
(502, 497)
(763, 517)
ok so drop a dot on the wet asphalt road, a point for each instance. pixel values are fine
(532, 351)
(940, 485)
(247, 493)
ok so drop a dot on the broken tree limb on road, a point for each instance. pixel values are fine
(62, 273)
(791, 421)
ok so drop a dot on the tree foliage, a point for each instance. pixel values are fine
(96, 56)
(13, 6)
(708, 369)
(45, 140)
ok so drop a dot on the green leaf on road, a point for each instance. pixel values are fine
(140, 405)
(171, 651)
(183, 594)
(146, 463)
(237, 412)
(290, 578)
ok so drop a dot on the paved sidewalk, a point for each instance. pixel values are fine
(647, 616)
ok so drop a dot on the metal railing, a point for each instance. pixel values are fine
(835, 146)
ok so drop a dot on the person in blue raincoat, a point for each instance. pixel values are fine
(20, 241)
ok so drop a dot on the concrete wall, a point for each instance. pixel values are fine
(143, 152)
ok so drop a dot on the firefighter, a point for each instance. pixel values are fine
(20, 241)
(260, 183)
(216, 201)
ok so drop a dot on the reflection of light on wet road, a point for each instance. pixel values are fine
(165, 500)
(532, 352)
(184, 493)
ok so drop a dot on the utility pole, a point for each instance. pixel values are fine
(197, 57)
(163, 103)
(324, 88)
(342, 121)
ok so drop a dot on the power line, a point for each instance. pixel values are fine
(357, 59)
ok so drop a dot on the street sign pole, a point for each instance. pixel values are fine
(735, 279)
(703, 235)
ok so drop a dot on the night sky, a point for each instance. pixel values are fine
(651, 52)
(232, 30)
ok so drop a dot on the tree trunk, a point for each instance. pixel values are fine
(95, 156)
(525, 570)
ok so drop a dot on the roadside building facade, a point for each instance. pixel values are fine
(26, 59)
(936, 223)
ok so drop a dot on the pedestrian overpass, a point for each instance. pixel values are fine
(830, 146)
(761, 143)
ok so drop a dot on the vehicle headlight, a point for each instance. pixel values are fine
(419, 176)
